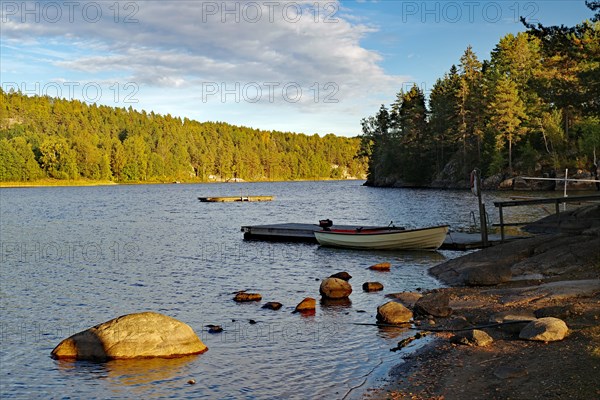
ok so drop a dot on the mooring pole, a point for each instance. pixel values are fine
(476, 188)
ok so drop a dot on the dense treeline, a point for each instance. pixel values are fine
(42, 137)
(533, 108)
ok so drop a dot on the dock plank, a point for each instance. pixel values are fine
(299, 232)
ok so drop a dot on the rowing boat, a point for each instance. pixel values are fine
(430, 238)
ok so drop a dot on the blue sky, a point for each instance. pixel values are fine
(300, 66)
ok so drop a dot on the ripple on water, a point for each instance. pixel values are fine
(86, 255)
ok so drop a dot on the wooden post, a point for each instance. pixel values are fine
(502, 222)
(482, 218)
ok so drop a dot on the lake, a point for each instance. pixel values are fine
(73, 257)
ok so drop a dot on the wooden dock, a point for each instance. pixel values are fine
(528, 202)
(294, 232)
(230, 199)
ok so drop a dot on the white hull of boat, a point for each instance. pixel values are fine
(385, 239)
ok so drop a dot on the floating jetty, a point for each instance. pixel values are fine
(294, 232)
(231, 199)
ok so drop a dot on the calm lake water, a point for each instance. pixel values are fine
(73, 257)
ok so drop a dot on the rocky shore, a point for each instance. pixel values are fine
(480, 350)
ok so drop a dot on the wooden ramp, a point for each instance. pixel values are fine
(294, 232)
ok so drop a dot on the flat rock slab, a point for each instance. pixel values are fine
(560, 290)
(547, 255)
(140, 335)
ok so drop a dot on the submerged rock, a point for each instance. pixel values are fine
(372, 286)
(547, 329)
(146, 334)
(214, 328)
(384, 266)
(308, 304)
(335, 288)
(393, 313)
(242, 297)
(342, 275)
(272, 305)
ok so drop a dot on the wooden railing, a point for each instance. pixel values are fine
(555, 200)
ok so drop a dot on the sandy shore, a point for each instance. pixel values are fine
(556, 274)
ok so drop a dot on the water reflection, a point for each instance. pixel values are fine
(163, 250)
(336, 304)
(392, 331)
(133, 372)
(422, 256)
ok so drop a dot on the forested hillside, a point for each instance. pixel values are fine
(42, 137)
(532, 108)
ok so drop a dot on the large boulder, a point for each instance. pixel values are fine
(335, 288)
(547, 329)
(435, 304)
(140, 335)
(393, 313)
(384, 266)
(487, 275)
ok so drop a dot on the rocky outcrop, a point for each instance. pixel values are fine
(582, 220)
(140, 335)
(335, 288)
(384, 266)
(547, 329)
(242, 297)
(308, 304)
(452, 176)
(342, 275)
(539, 256)
(473, 337)
(486, 275)
(393, 313)
(372, 286)
(434, 304)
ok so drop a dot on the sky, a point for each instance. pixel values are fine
(294, 66)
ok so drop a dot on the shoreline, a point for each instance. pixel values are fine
(553, 275)
(83, 182)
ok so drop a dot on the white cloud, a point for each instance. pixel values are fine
(182, 43)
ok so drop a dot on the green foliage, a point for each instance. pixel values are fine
(42, 137)
(534, 103)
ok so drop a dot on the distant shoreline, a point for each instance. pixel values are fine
(82, 182)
